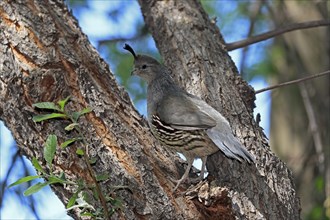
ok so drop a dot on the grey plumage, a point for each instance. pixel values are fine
(183, 121)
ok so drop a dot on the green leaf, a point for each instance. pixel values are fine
(85, 111)
(80, 152)
(85, 196)
(72, 200)
(87, 214)
(76, 115)
(68, 142)
(36, 165)
(62, 176)
(81, 183)
(95, 193)
(71, 126)
(55, 179)
(23, 180)
(63, 102)
(39, 118)
(47, 105)
(117, 203)
(93, 160)
(50, 149)
(102, 177)
(35, 188)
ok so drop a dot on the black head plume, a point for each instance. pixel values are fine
(130, 49)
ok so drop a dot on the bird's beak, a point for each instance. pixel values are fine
(134, 71)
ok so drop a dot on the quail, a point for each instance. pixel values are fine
(182, 121)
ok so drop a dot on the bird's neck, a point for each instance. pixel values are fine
(158, 88)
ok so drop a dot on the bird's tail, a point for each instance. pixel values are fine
(229, 145)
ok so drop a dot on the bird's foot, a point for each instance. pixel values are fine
(178, 183)
(189, 180)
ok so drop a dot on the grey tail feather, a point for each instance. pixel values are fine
(231, 146)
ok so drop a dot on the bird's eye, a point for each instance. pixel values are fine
(144, 66)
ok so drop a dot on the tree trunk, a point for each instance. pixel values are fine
(45, 57)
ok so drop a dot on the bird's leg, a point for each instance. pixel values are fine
(201, 174)
(186, 173)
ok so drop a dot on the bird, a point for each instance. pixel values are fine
(183, 122)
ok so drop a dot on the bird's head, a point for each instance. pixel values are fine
(145, 67)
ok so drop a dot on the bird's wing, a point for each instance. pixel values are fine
(222, 134)
(180, 112)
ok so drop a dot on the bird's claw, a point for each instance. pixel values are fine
(182, 180)
(178, 183)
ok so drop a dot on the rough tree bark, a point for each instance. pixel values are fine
(46, 57)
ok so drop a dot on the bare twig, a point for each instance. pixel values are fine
(253, 18)
(270, 34)
(293, 82)
(313, 125)
(4, 181)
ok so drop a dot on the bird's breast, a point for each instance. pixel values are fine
(194, 142)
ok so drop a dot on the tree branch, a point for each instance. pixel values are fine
(273, 33)
(142, 32)
(293, 82)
